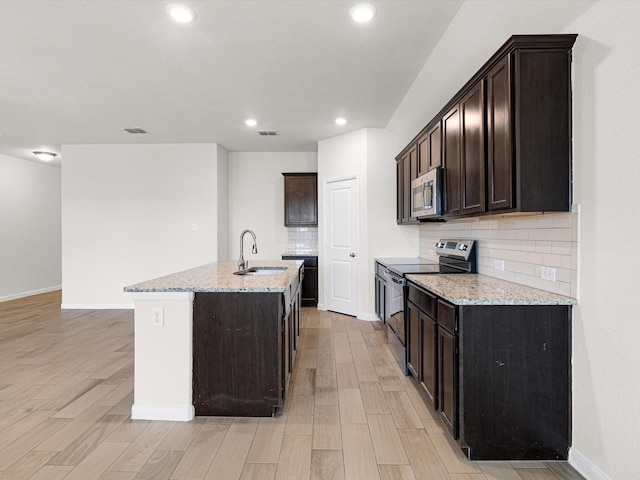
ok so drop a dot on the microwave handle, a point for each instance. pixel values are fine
(427, 206)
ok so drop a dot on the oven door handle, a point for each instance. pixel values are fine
(395, 279)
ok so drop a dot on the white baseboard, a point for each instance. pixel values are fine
(97, 306)
(585, 467)
(158, 412)
(15, 296)
(322, 307)
(369, 317)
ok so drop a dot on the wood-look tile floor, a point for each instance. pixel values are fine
(66, 390)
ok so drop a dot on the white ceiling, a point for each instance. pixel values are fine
(79, 72)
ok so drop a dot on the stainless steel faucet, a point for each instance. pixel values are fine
(242, 264)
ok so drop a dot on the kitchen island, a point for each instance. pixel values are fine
(210, 342)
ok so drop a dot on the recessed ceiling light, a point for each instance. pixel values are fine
(181, 13)
(363, 12)
(45, 156)
(250, 122)
(341, 121)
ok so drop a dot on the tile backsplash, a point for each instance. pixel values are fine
(523, 245)
(302, 239)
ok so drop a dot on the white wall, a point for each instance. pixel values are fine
(127, 216)
(30, 236)
(606, 74)
(606, 333)
(368, 154)
(223, 203)
(256, 199)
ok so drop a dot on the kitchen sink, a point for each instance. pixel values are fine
(261, 271)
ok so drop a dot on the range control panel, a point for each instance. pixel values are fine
(455, 248)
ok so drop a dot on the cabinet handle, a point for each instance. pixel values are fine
(352, 254)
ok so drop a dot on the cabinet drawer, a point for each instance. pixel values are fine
(423, 300)
(447, 316)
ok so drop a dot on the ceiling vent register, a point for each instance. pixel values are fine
(135, 130)
(268, 133)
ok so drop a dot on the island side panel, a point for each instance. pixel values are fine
(237, 362)
(163, 357)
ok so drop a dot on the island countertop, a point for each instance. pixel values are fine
(476, 289)
(219, 277)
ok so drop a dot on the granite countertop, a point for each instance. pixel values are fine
(386, 261)
(219, 277)
(476, 289)
(301, 253)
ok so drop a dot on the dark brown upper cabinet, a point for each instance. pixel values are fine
(301, 199)
(472, 175)
(429, 148)
(500, 181)
(407, 170)
(464, 155)
(452, 163)
(505, 137)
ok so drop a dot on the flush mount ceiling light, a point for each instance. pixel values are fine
(363, 12)
(45, 156)
(181, 13)
(250, 122)
(341, 121)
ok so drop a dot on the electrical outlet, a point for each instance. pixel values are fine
(548, 273)
(157, 316)
(194, 227)
(499, 264)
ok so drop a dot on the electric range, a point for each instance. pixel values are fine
(454, 256)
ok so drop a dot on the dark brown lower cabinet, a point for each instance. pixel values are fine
(503, 374)
(447, 376)
(421, 356)
(429, 352)
(309, 289)
(243, 351)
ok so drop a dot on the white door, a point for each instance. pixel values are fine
(341, 241)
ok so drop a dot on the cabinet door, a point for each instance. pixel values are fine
(300, 199)
(310, 287)
(429, 348)
(499, 149)
(435, 146)
(379, 294)
(473, 156)
(447, 379)
(412, 317)
(430, 149)
(409, 172)
(287, 363)
(399, 191)
(451, 158)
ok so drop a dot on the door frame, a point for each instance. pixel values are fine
(325, 267)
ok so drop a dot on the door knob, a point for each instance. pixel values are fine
(352, 255)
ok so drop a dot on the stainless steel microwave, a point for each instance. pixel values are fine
(426, 194)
